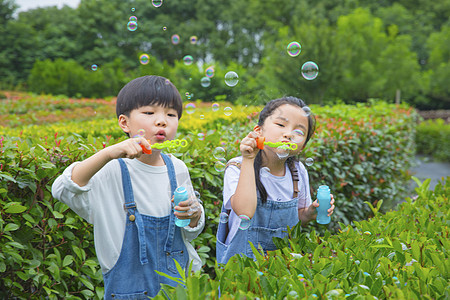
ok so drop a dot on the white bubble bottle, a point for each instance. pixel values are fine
(180, 195)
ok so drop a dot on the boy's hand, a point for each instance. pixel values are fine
(330, 210)
(191, 209)
(248, 146)
(130, 148)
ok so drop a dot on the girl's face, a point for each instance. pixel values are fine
(287, 123)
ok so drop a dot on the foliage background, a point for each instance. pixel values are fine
(364, 49)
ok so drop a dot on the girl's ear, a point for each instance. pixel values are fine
(123, 123)
(257, 129)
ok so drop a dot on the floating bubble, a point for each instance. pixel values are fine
(141, 132)
(193, 39)
(190, 108)
(209, 72)
(164, 28)
(197, 195)
(202, 117)
(175, 39)
(306, 110)
(201, 136)
(157, 3)
(215, 106)
(310, 70)
(132, 25)
(133, 19)
(188, 60)
(220, 165)
(219, 153)
(94, 67)
(223, 217)
(227, 111)
(144, 59)
(231, 78)
(309, 161)
(133, 9)
(189, 96)
(205, 81)
(367, 233)
(264, 172)
(297, 136)
(167, 82)
(245, 222)
(283, 151)
(294, 49)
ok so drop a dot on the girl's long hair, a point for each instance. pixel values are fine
(266, 112)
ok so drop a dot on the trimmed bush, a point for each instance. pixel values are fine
(433, 139)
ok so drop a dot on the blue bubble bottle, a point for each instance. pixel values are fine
(180, 195)
(324, 198)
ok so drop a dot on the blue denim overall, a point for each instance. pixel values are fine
(270, 220)
(149, 244)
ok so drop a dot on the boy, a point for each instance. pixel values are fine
(127, 194)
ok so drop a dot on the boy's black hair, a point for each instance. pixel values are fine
(267, 111)
(148, 90)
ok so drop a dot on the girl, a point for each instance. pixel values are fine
(267, 190)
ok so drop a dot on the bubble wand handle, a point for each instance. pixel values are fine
(260, 142)
(170, 144)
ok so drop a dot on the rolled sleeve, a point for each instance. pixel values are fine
(192, 233)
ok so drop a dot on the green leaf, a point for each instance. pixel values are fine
(87, 283)
(67, 260)
(14, 208)
(11, 227)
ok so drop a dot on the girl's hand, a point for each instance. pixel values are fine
(248, 146)
(330, 210)
(130, 148)
(190, 209)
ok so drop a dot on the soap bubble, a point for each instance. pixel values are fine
(209, 72)
(294, 49)
(219, 152)
(132, 19)
(188, 60)
(215, 106)
(157, 3)
(245, 222)
(223, 217)
(133, 9)
(132, 25)
(205, 81)
(141, 132)
(220, 165)
(144, 59)
(189, 96)
(227, 111)
(297, 136)
(193, 39)
(283, 151)
(94, 67)
(309, 161)
(306, 111)
(202, 117)
(164, 28)
(310, 70)
(201, 136)
(231, 78)
(175, 39)
(190, 108)
(264, 172)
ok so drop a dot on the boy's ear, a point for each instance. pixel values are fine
(123, 123)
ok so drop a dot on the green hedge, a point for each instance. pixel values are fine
(362, 152)
(433, 139)
(400, 255)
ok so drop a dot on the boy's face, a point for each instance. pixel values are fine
(159, 123)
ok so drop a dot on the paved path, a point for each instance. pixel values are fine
(425, 168)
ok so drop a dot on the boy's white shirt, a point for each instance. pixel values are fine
(101, 201)
(278, 188)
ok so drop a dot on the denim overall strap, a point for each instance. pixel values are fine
(130, 207)
(173, 187)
